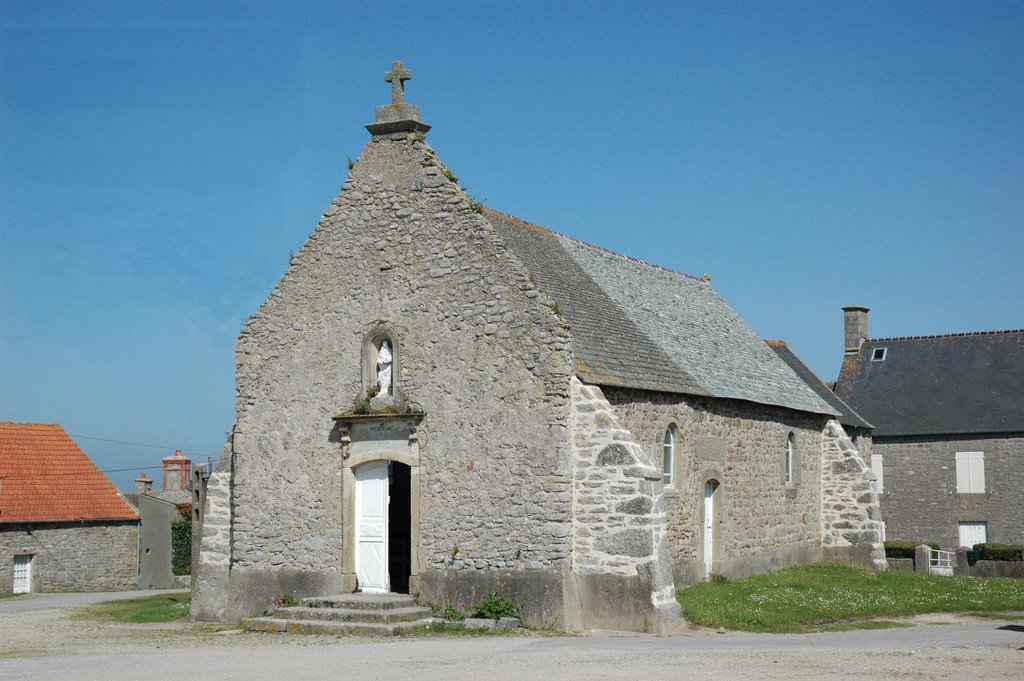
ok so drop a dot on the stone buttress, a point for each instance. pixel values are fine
(621, 567)
(850, 516)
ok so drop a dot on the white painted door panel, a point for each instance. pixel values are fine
(709, 527)
(22, 574)
(372, 526)
(973, 533)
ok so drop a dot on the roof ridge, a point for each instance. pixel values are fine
(628, 258)
(947, 335)
(28, 423)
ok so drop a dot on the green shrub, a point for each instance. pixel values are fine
(905, 549)
(181, 546)
(284, 600)
(990, 551)
(494, 607)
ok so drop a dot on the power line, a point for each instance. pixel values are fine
(74, 471)
(136, 444)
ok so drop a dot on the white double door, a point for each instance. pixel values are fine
(972, 533)
(372, 526)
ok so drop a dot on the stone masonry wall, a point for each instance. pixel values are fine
(919, 498)
(211, 581)
(619, 522)
(88, 556)
(478, 349)
(764, 523)
(850, 516)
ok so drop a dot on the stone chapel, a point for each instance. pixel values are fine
(444, 400)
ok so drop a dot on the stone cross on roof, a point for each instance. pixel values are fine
(398, 116)
(397, 77)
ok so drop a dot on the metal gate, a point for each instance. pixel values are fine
(941, 562)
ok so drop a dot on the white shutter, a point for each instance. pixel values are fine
(970, 472)
(977, 472)
(876, 468)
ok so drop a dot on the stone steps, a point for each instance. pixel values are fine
(346, 615)
(352, 614)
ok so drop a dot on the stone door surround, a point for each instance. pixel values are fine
(378, 437)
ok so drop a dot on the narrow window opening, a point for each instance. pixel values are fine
(668, 460)
(878, 355)
(789, 459)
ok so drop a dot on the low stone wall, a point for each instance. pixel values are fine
(902, 564)
(85, 556)
(1013, 569)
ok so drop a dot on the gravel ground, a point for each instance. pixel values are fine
(48, 644)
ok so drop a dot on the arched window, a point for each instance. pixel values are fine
(668, 457)
(790, 447)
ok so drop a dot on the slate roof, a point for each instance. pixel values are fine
(968, 383)
(642, 326)
(847, 415)
(44, 476)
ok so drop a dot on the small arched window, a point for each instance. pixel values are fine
(790, 447)
(668, 457)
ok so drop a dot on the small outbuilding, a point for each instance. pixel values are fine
(63, 524)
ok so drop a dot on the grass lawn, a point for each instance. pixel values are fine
(159, 608)
(8, 594)
(828, 597)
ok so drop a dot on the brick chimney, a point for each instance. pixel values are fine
(855, 321)
(177, 472)
(143, 485)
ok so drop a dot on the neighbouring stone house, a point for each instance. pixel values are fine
(441, 399)
(948, 440)
(157, 509)
(63, 524)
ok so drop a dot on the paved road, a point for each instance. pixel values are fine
(68, 600)
(989, 650)
(43, 644)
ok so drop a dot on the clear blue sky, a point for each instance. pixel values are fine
(159, 161)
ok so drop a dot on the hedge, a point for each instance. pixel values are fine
(181, 546)
(905, 549)
(987, 551)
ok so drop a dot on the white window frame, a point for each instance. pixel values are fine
(790, 451)
(668, 458)
(970, 472)
(878, 468)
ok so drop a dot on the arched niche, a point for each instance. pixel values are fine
(374, 342)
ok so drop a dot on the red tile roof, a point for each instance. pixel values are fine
(44, 476)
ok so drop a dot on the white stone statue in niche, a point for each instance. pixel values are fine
(384, 360)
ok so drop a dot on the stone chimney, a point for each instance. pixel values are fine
(143, 485)
(855, 321)
(177, 472)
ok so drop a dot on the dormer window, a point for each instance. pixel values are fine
(878, 355)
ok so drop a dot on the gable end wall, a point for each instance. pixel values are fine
(483, 356)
